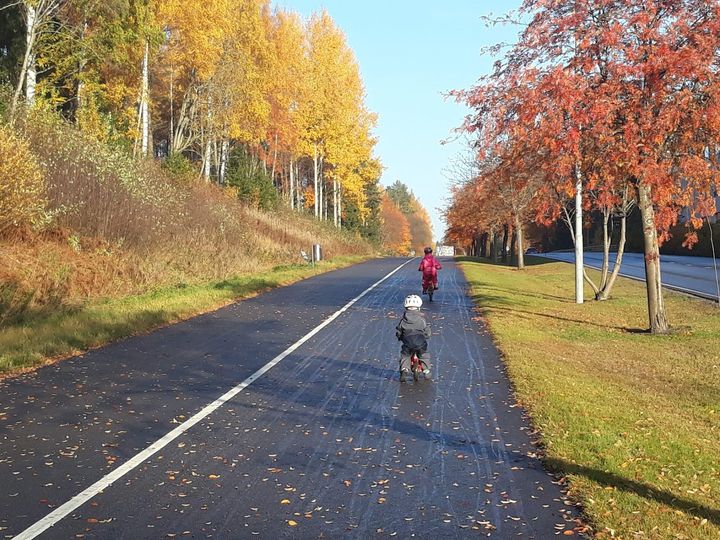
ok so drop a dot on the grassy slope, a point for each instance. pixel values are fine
(60, 333)
(633, 419)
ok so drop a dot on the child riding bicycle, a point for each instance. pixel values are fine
(414, 332)
(429, 267)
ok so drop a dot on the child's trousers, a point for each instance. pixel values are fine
(405, 355)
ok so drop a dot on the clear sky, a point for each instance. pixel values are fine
(410, 52)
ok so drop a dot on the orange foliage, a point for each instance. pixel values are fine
(395, 229)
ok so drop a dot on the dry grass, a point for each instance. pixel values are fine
(123, 227)
(48, 334)
(632, 419)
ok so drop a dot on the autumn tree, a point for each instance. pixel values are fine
(196, 83)
(395, 228)
(630, 83)
(417, 216)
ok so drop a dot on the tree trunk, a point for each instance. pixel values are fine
(520, 243)
(604, 294)
(31, 75)
(503, 255)
(172, 112)
(274, 162)
(579, 262)
(292, 185)
(298, 188)
(656, 308)
(323, 202)
(606, 249)
(335, 203)
(224, 154)
(494, 246)
(206, 159)
(339, 206)
(483, 244)
(144, 103)
(315, 181)
(28, 60)
(513, 244)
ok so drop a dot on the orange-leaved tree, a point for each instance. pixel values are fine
(395, 235)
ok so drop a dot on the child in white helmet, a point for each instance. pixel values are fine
(414, 332)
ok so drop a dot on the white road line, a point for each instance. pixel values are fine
(64, 510)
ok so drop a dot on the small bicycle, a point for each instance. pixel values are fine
(417, 366)
(429, 289)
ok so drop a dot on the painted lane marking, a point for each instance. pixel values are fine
(78, 500)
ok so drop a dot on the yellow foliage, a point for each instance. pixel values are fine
(22, 188)
(288, 81)
(197, 31)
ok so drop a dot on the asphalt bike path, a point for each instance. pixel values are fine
(69, 424)
(325, 444)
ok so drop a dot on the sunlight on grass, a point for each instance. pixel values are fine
(70, 330)
(632, 419)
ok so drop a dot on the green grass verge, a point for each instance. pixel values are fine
(45, 336)
(633, 420)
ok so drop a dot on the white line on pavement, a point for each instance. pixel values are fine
(64, 510)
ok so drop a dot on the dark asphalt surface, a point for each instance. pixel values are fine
(695, 275)
(326, 444)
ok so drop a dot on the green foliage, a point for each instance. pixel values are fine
(402, 197)
(178, 165)
(372, 226)
(251, 181)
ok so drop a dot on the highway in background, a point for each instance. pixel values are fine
(694, 275)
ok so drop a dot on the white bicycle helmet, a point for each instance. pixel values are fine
(413, 301)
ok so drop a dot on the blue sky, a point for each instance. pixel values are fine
(410, 53)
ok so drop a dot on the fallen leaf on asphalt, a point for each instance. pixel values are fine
(292, 523)
(285, 501)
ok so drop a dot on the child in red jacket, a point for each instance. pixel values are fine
(429, 267)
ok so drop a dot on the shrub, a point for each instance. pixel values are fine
(178, 165)
(22, 189)
(253, 184)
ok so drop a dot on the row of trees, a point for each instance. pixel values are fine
(407, 225)
(212, 83)
(601, 106)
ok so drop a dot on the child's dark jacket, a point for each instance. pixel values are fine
(413, 331)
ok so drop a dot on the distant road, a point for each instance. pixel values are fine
(695, 275)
